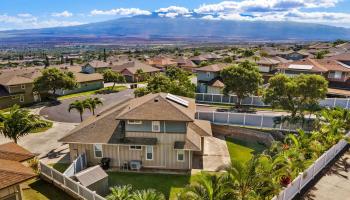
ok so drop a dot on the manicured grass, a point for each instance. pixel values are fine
(61, 167)
(242, 151)
(88, 93)
(168, 184)
(42, 129)
(37, 189)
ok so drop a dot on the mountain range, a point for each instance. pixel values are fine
(154, 27)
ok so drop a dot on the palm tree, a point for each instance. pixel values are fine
(92, 103)
(207, 187)
(121, 193)
(79, 106)
(149, 194)
(19, 122)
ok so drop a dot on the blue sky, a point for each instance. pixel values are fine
(22, 14)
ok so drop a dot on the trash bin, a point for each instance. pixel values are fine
(105, 163)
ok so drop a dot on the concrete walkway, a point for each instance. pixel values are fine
(334, 184)
(216, 153)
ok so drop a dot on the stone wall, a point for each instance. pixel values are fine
(243, 133)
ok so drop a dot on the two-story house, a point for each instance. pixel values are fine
(208, 79)
(16, 89)
(154, 131)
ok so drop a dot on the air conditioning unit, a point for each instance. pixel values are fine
(135, 165)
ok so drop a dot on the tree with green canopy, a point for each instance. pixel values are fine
(243, 80)
(79, 106)
(92, 103)
(53, 79)
(114, 77)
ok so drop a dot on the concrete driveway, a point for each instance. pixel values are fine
(216, 153)
(60, 112)
(44, 142)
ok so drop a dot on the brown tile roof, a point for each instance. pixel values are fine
(341, 57)
(133, 66)
(161, 60)
(158, 107)
(201, 127)
(12, 79)
(212, 68)
(333, 65)
(13, 172)
(316, 67)
(192, 142)
(98, 64)
(12, 151)
(82, 78)
(198, 58)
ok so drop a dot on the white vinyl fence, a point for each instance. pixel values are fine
(308, 175)
(257, 100)
(66, 183)
(77, 165)
(249, 120)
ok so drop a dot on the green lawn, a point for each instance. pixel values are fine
(89, 93)
(37, 189)
(42, 129)
(168, 184)
(242, 151)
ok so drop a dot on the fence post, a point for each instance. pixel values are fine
(335, 100)
(221, 98)
(244, 116)
(347, 103)
(252, 101)
(300, 182)
(262, 121)
(81, 163)
(228, 118)
(212, 97)
(202, 96)
(213, 117)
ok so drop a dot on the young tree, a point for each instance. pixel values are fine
(47, 61)
(92, 103)
(114, 77)
(140, 75)
(19, 122)
(53, 79)
(78, 106)
(242, 79)
(295, 94)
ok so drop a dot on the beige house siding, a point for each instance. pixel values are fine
(12, 192)
(164, 155)
(16, 91)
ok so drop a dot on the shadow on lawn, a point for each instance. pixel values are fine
(41, 190)
(168, 184)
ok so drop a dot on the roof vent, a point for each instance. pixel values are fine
(156, 99)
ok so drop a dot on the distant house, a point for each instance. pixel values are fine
(12, 171)
(306, 66)
(154, 131)
(208, 78)
(198, 59)
(161, 62)
(16, 89)
(129, 70)
(186, 64)
(86, 82)
(95, 66)
(294, 55)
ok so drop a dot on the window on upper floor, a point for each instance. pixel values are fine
(155, 126)
(134, 122)
(135, 147)
(98, 151)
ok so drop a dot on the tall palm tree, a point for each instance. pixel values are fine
(121, 193)
(149, 194)
(19, 122)
(78, 106)
(92, 103)
(207, 187)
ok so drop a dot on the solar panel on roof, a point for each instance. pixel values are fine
(304, 67)
(177, 100)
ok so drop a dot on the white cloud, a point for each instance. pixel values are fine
(121, 12)
(24, 15)
(62, 14)
(174, 11)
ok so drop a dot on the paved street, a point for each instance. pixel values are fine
(60, 112)
(334, 184)
(42, 143)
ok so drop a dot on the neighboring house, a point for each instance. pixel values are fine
(16, 89)
(12, 171)
(85, 82)
(294, 55)
(320, 46)
(129, 70)
(208, 78)
(154, 131)
(161, 62)
(95, 66)
(186, 64)
(306, 66)
(198, 59)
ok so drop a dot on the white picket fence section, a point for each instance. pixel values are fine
(247, 120)
(257, 100)
(309, 174)
(67, 183)
(79, 164)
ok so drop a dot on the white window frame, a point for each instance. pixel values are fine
(177, 155)
(134, 122)
(23, 86)
(151, 148)
(154, 123)
(21, 98)
(133, 147)
(98, 145)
